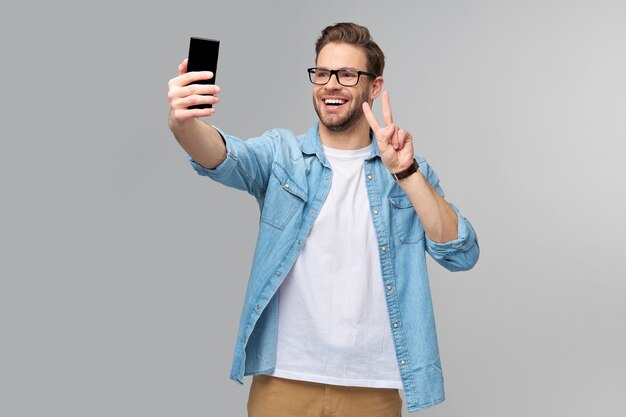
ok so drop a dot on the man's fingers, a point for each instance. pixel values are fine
(384, 137)
(182, 68)
(175, 94)
(192, 89)
(394, 140)
(371, 119)
(404, 136)
(404, 139)
(183, 92)
(196, 99)
(190, 77)
(387, 116)
(389, 132)
(400, 138)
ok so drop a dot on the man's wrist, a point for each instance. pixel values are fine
(398, 176)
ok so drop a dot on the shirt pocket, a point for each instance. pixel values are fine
(405, 222)
(283, 198)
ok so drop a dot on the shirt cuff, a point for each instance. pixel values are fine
(225, 167)
(465, 239)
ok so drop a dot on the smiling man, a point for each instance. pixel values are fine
(337, 316)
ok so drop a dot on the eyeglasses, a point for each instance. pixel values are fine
(345, 77)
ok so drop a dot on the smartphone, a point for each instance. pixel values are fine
(203, 57)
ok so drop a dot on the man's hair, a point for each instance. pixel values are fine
(357, 35)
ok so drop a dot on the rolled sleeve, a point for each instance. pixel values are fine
(247, 164)
(459, 254)
(224, 168)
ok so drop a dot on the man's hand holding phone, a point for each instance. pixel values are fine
(194, 87)
(184, 93)
(192, 95)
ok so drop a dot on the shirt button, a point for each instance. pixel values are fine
(383, 248)
(369, 177)
(402, 362)
(326, 177)
(389, 287)
(311, 211)
(286, 185)
(395, 325)
(298, 242)
(278, 273)
(376, 211)
(258, 306)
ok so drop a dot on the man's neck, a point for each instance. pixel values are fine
(357, 137)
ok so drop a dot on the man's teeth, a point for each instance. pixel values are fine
(334, 101)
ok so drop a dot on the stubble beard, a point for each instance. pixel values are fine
(344, 122)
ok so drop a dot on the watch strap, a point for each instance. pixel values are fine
(407, 172)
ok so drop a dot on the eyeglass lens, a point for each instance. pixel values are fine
(345, 77)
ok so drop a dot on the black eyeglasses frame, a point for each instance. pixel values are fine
(312, 70)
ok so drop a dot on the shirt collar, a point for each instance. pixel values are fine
(312, 145)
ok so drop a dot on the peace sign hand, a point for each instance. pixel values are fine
(395, 145)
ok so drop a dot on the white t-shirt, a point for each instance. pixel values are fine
(333, 324)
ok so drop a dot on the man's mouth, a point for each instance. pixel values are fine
(334, 102)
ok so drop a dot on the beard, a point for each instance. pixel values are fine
(346, 120)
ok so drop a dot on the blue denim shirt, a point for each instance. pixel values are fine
(290, 178)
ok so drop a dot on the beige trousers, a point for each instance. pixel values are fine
(278, 397)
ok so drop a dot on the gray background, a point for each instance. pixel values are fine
(123, 272)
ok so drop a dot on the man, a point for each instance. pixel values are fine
(338, 313)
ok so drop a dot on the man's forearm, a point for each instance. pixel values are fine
(439, 219)
(202, 142)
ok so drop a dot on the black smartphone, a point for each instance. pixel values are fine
(203, 57)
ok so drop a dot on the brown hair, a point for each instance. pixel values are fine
(357, 35)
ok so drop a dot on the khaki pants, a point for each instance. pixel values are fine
(278, 397)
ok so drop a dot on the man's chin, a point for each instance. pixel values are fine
(337, 125)
(336, 122)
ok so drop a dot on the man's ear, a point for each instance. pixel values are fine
(376, 87)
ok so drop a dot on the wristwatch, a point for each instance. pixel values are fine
(407, 172)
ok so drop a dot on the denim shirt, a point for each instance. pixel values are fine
(290, 178)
